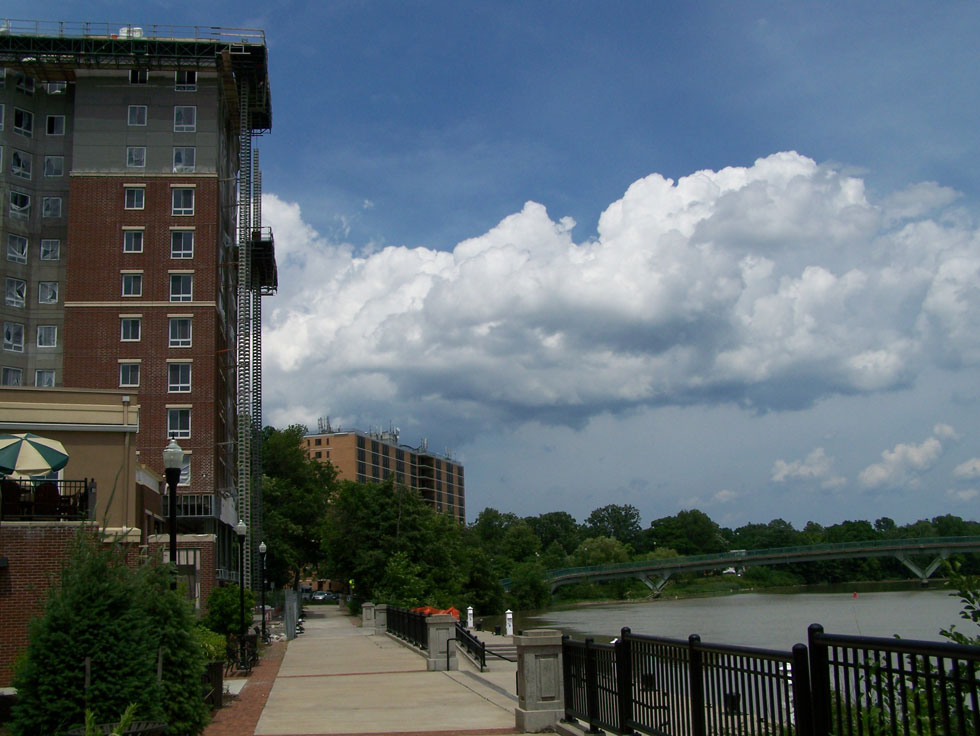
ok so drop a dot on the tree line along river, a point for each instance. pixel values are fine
(772, 620)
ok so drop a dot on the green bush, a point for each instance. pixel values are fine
(224, 610)
(211, 642)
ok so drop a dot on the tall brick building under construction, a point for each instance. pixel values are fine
(134, 253)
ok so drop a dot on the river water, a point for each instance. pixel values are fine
(769, 620)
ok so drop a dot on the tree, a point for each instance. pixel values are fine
(224, 613)
(556, 527)
(296, 493)
(620, 522)
(689, 532)
(528, 587)
(520, 543)
(600, 551)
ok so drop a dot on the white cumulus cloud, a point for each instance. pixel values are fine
(817, 466)
(905, 462)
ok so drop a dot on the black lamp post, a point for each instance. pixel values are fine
(262, 550)
(173, 459)
(240, 529)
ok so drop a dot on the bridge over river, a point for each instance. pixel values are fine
(928, 552)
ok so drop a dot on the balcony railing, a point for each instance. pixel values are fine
(25, 499)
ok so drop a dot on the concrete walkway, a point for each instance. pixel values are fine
(338, 678)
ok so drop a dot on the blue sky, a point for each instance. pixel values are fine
(679, 255)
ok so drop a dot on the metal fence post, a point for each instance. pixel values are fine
(698, 721)
(802, 694)
(819, 681)
(624, 681)
(591, 686)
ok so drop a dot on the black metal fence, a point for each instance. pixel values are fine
(842, 685)
(476, 648)
(408, 625)
(26, 499)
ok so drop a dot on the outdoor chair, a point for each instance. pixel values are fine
(46, 500)
(11, 503)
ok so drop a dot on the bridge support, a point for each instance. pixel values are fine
(655, 585)
(925, 574)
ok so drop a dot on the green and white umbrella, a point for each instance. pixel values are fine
(28, 454)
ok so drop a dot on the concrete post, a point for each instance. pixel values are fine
(541, 699)
(510, 623)
(442, 630)
(367, 615)
(469, 617)
(381, 618)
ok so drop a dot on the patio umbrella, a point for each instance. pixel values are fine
(28, 454)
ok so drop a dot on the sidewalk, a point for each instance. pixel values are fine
(338, 679)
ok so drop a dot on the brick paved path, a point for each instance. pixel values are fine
(241, 716)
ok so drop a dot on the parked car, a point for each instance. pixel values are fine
(320, 595)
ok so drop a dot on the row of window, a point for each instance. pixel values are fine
(15, 292)
(178, 376)
(181, 200)
(131, 330)
(20, 205)
(185, 117)
(26, 85)
(18, 246)
(185, 80)
(181, 286)
(15, 377)
(24, 123)
(22, 165)
(184, 158)
(13, 336)
(181, 243)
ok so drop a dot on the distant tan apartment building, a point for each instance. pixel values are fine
(371, 457)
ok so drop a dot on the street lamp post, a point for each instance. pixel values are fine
(240, 529)
(262, 550)
(173, 460)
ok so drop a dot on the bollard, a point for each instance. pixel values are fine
(367, 615)
(469, 617)
(510, 622)
(540, 685)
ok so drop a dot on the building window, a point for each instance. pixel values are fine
(135, 198)
(20, 164)
(137, 115)
(132, 284)
(185, 472)
(50, 206)
(133, 241)
(181, 287)
(44, 378)
(184, 159)
(56, 125)
(56, 88)
(25, 84)
(54, 165)
(183, 201)
(138, 76)
(182, 244)
(50, 249)
(180, 332)
(11, 376)
(1, 109)
(16, 248)
(179, 423)
(47, 292)
(185, 81)
(47, 336)
(20, 204)
(136, 157)
(130, 329)
(185, 119)
(13, 337)
(15, 293)
(23, 122)
(179, 377)
(129, 374)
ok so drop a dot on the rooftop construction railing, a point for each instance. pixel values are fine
(85, 29)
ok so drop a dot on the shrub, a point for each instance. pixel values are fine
(224, 610)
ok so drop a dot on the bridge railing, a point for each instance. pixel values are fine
(408, 625)
(837, 685)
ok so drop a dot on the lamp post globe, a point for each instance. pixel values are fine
(262, 551)
(240, 530)
(173, 461)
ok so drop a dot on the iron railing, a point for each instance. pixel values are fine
(867, 685)
(25, 499)
(408, 625)
(841, 685)
(476, 648)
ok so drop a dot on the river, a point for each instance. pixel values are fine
(770, 620)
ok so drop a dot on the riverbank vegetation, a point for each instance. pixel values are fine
(390, 546)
